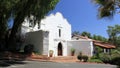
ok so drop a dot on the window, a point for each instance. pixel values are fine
(106, 50)
(59, 32)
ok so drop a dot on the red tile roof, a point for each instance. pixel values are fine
(103, 44)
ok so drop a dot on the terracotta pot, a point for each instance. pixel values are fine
(51, 53)
(72, 53)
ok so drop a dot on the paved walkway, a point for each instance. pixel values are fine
(37, 64)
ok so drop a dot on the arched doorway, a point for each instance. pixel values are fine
(60, 52)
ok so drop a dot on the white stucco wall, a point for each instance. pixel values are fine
(35, 38)
(84, 46)
(52, 24)
(40, 41)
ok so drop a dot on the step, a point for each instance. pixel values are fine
(44, 57)
(64, 58)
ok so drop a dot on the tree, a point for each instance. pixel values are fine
(107, 8)
(4, 17)
(20, 9)
(86, 34)
(100, 38)
(114, 34)
(5, 14)
(75, 33)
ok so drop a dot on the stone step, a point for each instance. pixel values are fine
(64, 58)
(44, 57)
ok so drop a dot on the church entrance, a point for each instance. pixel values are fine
(60, 52)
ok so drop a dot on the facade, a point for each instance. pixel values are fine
(54, 33)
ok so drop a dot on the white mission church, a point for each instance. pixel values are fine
(55, 34)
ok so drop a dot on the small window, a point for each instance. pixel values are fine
(59, 32)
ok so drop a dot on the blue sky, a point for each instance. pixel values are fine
(82, 15)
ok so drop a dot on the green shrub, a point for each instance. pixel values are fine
(115, 54)
(79, 57)
(106, 58)
(82, 57)
(94, 57)
(98, 50)
(115, 57)
(95, 60)
(28, 49)
(116, 61)
(85, 58)
(37, 52)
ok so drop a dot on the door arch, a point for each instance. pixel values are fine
(60, 49)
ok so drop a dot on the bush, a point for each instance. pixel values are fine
(85, 58)
(116, 61)
(106, 58)
(115, 54)
(94, 57)
(28, 49)
(36, 52)
(79, 57)
(82, 57)
(115, 57)
(95, 60)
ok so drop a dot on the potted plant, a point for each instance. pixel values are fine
(72, 51)
(51, 53)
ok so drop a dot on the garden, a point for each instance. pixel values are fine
(107, 58)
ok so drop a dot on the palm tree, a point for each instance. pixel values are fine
(107, 8)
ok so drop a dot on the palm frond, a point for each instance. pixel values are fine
(106, 8)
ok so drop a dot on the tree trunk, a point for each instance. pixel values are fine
(16, 25)
(11, 43)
